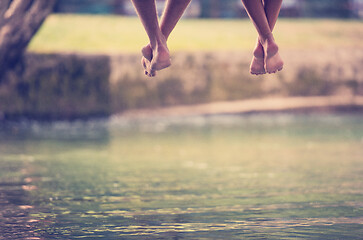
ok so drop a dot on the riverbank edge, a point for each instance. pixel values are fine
(251, 106)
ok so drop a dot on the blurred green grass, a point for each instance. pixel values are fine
(115, 34)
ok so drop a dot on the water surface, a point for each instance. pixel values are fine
(262, 176)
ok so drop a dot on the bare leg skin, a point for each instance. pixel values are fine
(273, 61)
(272, 10)
(258, 60)
(173, 11)
(146, 10)
(264, 16)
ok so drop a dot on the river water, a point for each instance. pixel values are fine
(260, 176)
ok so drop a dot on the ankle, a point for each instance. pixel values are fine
(153, 43)
(270, 47)
(259, 51)
(161, 44)
(162, 50)
(264, 39)
(156, 40)
(165, 33)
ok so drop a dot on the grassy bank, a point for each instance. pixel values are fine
(114, 34)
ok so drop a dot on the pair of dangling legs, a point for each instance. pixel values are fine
(263, 14)
(156, 54)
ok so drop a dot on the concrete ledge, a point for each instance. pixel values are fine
(56, 86)
(74, 85)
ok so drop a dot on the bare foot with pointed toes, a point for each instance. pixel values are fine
(161, 58)
(155, 58)
(147, 54)
(258, 62)
(273, 61)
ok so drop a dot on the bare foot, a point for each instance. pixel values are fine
(161, 58)
(273, 61)
(258, 63)
(147, 55)
(155, 59)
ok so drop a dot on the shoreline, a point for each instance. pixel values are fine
(273, 105)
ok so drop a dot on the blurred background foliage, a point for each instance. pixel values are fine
(222, 8)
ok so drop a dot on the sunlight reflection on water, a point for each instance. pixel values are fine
(203, 177)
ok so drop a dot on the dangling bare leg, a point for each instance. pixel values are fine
(173, 11)
(264, 18)
(272, 10)
(146, 10)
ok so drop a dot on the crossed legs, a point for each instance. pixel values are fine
(156, 54)
(266, 57)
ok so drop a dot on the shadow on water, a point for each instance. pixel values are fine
(259, 176)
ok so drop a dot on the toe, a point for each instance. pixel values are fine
(152, 73)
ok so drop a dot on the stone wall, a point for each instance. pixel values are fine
(67, 86)
(197, 78)
(56, 86)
